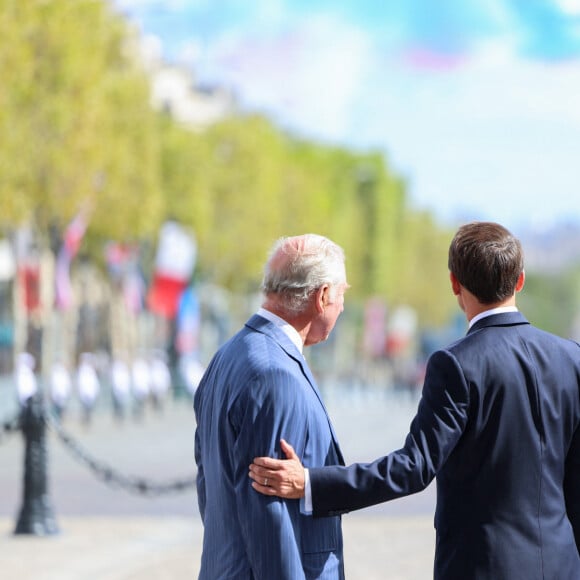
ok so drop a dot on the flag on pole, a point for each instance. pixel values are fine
(174, 264)
(28, 267)
(71, 242)
(123, 264)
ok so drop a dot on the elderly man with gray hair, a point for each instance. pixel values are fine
(257, 390)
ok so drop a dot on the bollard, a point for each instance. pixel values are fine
(36, 516)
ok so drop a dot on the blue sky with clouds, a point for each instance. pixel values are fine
(474, 102)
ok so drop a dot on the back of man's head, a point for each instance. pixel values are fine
(299, 265)
(487, 260)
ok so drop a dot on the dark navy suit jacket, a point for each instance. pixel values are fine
(498, 424)
(257, 389)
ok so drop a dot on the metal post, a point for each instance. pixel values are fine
(36, 515)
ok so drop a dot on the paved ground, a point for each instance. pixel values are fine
(107, 533)
(97, 548)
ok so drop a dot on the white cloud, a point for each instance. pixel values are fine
(496, 138)
(309, 77)
(571, 7)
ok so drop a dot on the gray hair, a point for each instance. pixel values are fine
(299, 265)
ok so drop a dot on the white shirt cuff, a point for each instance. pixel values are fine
(307, 505)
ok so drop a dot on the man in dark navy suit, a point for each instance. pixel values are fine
(497, 424)
(257, 389)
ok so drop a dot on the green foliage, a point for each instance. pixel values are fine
(423, 277)
(77, 131)
(551, 301)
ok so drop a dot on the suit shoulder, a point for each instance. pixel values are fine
(255, 357)
(491, 339)
(554, 343)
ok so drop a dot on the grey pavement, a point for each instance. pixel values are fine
(107, 533)
(169, 548)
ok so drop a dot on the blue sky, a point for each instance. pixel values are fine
(475, 103)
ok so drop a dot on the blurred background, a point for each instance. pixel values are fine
(152, 151)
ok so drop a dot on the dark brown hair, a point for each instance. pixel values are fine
(487, 259)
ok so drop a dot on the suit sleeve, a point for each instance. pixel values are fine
(572, 486)
(270, 409)
(435, 430)
(200, 478)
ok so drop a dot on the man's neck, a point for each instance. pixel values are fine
(473, 307)
(300, 323)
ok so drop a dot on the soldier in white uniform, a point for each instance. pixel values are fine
(60, 388)
(88, 385)
(24, 377)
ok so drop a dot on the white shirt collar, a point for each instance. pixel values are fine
(486, 313)
(286, 328)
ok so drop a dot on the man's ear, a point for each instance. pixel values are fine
(521, 281)
(321, 298)
(455, 285)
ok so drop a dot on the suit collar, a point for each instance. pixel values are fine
(261, 324)
(283, 325)
(502, 319)
(498, 310)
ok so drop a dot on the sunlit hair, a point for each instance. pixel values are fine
(487, 259)
(299, 265)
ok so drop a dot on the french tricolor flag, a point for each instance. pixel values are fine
(174, 264)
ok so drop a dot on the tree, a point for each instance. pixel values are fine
(75, 118)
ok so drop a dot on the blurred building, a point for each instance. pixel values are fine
(553, 249)
(174, 91)
(174, 88)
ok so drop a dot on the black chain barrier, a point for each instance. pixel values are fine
(113, 477)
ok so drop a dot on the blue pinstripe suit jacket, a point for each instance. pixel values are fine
(257, 389)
